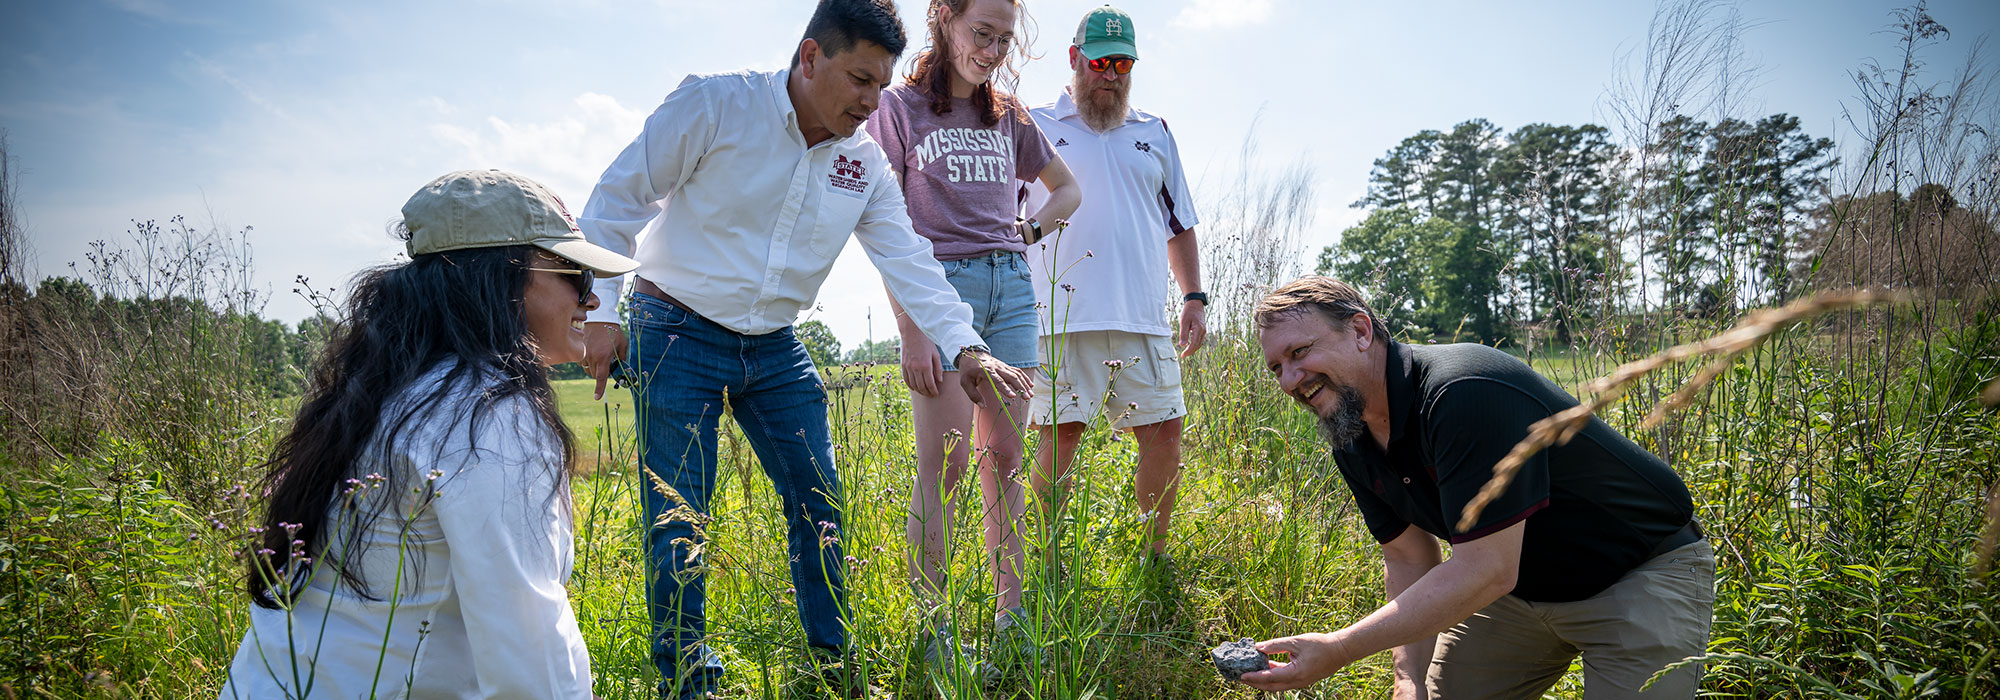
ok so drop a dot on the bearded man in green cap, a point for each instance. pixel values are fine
(1107, 348)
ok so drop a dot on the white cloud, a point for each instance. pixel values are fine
(1222, 14)
(568, 154)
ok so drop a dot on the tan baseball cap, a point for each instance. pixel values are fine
(492, 208)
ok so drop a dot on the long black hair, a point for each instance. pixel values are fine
(463, 308)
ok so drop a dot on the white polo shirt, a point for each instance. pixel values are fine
(1108, 270)
(727, 209)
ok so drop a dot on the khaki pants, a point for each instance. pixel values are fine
(1132, 379)
(1656, 615)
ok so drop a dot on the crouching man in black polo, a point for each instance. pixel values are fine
(1592, 550)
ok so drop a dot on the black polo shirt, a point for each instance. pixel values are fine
(1595, 507)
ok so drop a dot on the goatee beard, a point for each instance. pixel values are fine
(1346, 423)
(1099, 112)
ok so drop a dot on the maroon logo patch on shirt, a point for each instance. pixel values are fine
(848, 175)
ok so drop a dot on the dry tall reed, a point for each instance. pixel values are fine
(1753, 330)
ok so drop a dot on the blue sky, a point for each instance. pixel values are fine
(312, 122)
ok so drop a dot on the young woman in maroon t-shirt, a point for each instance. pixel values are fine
(962, 147)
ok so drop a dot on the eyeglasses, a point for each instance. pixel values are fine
(985, 38)
(582, 282)
(1122, 64)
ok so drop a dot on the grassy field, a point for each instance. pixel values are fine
(116, 578)
(1250, 560)
(1266, 545)
(1845, 471)
(592, 419)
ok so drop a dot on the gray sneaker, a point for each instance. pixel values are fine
(945, 658)
(1014, 647)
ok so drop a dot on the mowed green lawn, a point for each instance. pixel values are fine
(592, 419)
(604, 428)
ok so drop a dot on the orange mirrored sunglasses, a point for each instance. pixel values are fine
(1122, 64)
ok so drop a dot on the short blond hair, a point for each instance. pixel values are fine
(1332, 299)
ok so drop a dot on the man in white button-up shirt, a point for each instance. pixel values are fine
(736, 198)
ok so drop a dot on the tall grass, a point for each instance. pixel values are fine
(1843, 466)
(130, 418)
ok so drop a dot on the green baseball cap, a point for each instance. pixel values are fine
(1106, 31)
(489, 208)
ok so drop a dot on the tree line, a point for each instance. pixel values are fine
(272, 356)
(1478, 233)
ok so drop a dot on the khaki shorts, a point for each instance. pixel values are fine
(1656, 615)
(1129, 378)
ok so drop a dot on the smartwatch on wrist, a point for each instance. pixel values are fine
(1034, 232)
(1196, 296)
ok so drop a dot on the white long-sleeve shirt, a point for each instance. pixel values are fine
(726, 209)
(482, 612)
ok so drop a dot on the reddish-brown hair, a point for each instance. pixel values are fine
(930, 72)
(1332, 299)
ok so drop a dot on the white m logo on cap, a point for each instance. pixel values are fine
(1114, 27)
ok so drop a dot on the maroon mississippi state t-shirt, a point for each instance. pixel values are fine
(958, 174)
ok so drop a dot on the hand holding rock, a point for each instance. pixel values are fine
(1233, 659)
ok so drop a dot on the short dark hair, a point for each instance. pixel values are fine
(840, 24)
(1332, 299)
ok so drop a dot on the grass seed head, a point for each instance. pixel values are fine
(1752, 331)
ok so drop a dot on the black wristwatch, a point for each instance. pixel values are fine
(1034, 230)
(1196, 296)
(970, 350)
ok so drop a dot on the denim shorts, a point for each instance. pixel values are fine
(1003, 305)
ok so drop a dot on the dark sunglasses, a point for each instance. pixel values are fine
(1122, 64)
(582, 281)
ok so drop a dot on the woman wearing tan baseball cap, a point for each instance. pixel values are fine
(417, 529)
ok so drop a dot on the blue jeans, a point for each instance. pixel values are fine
(685, 365)
(1002, 297)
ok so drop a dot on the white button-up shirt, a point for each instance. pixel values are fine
(482, 611)
(727, 209)
(1135, 197)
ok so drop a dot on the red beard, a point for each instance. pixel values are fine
(1101, 109)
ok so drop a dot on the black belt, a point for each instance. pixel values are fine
(1687, 535)
(646, 287)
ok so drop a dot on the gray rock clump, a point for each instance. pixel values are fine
(1233, 659)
